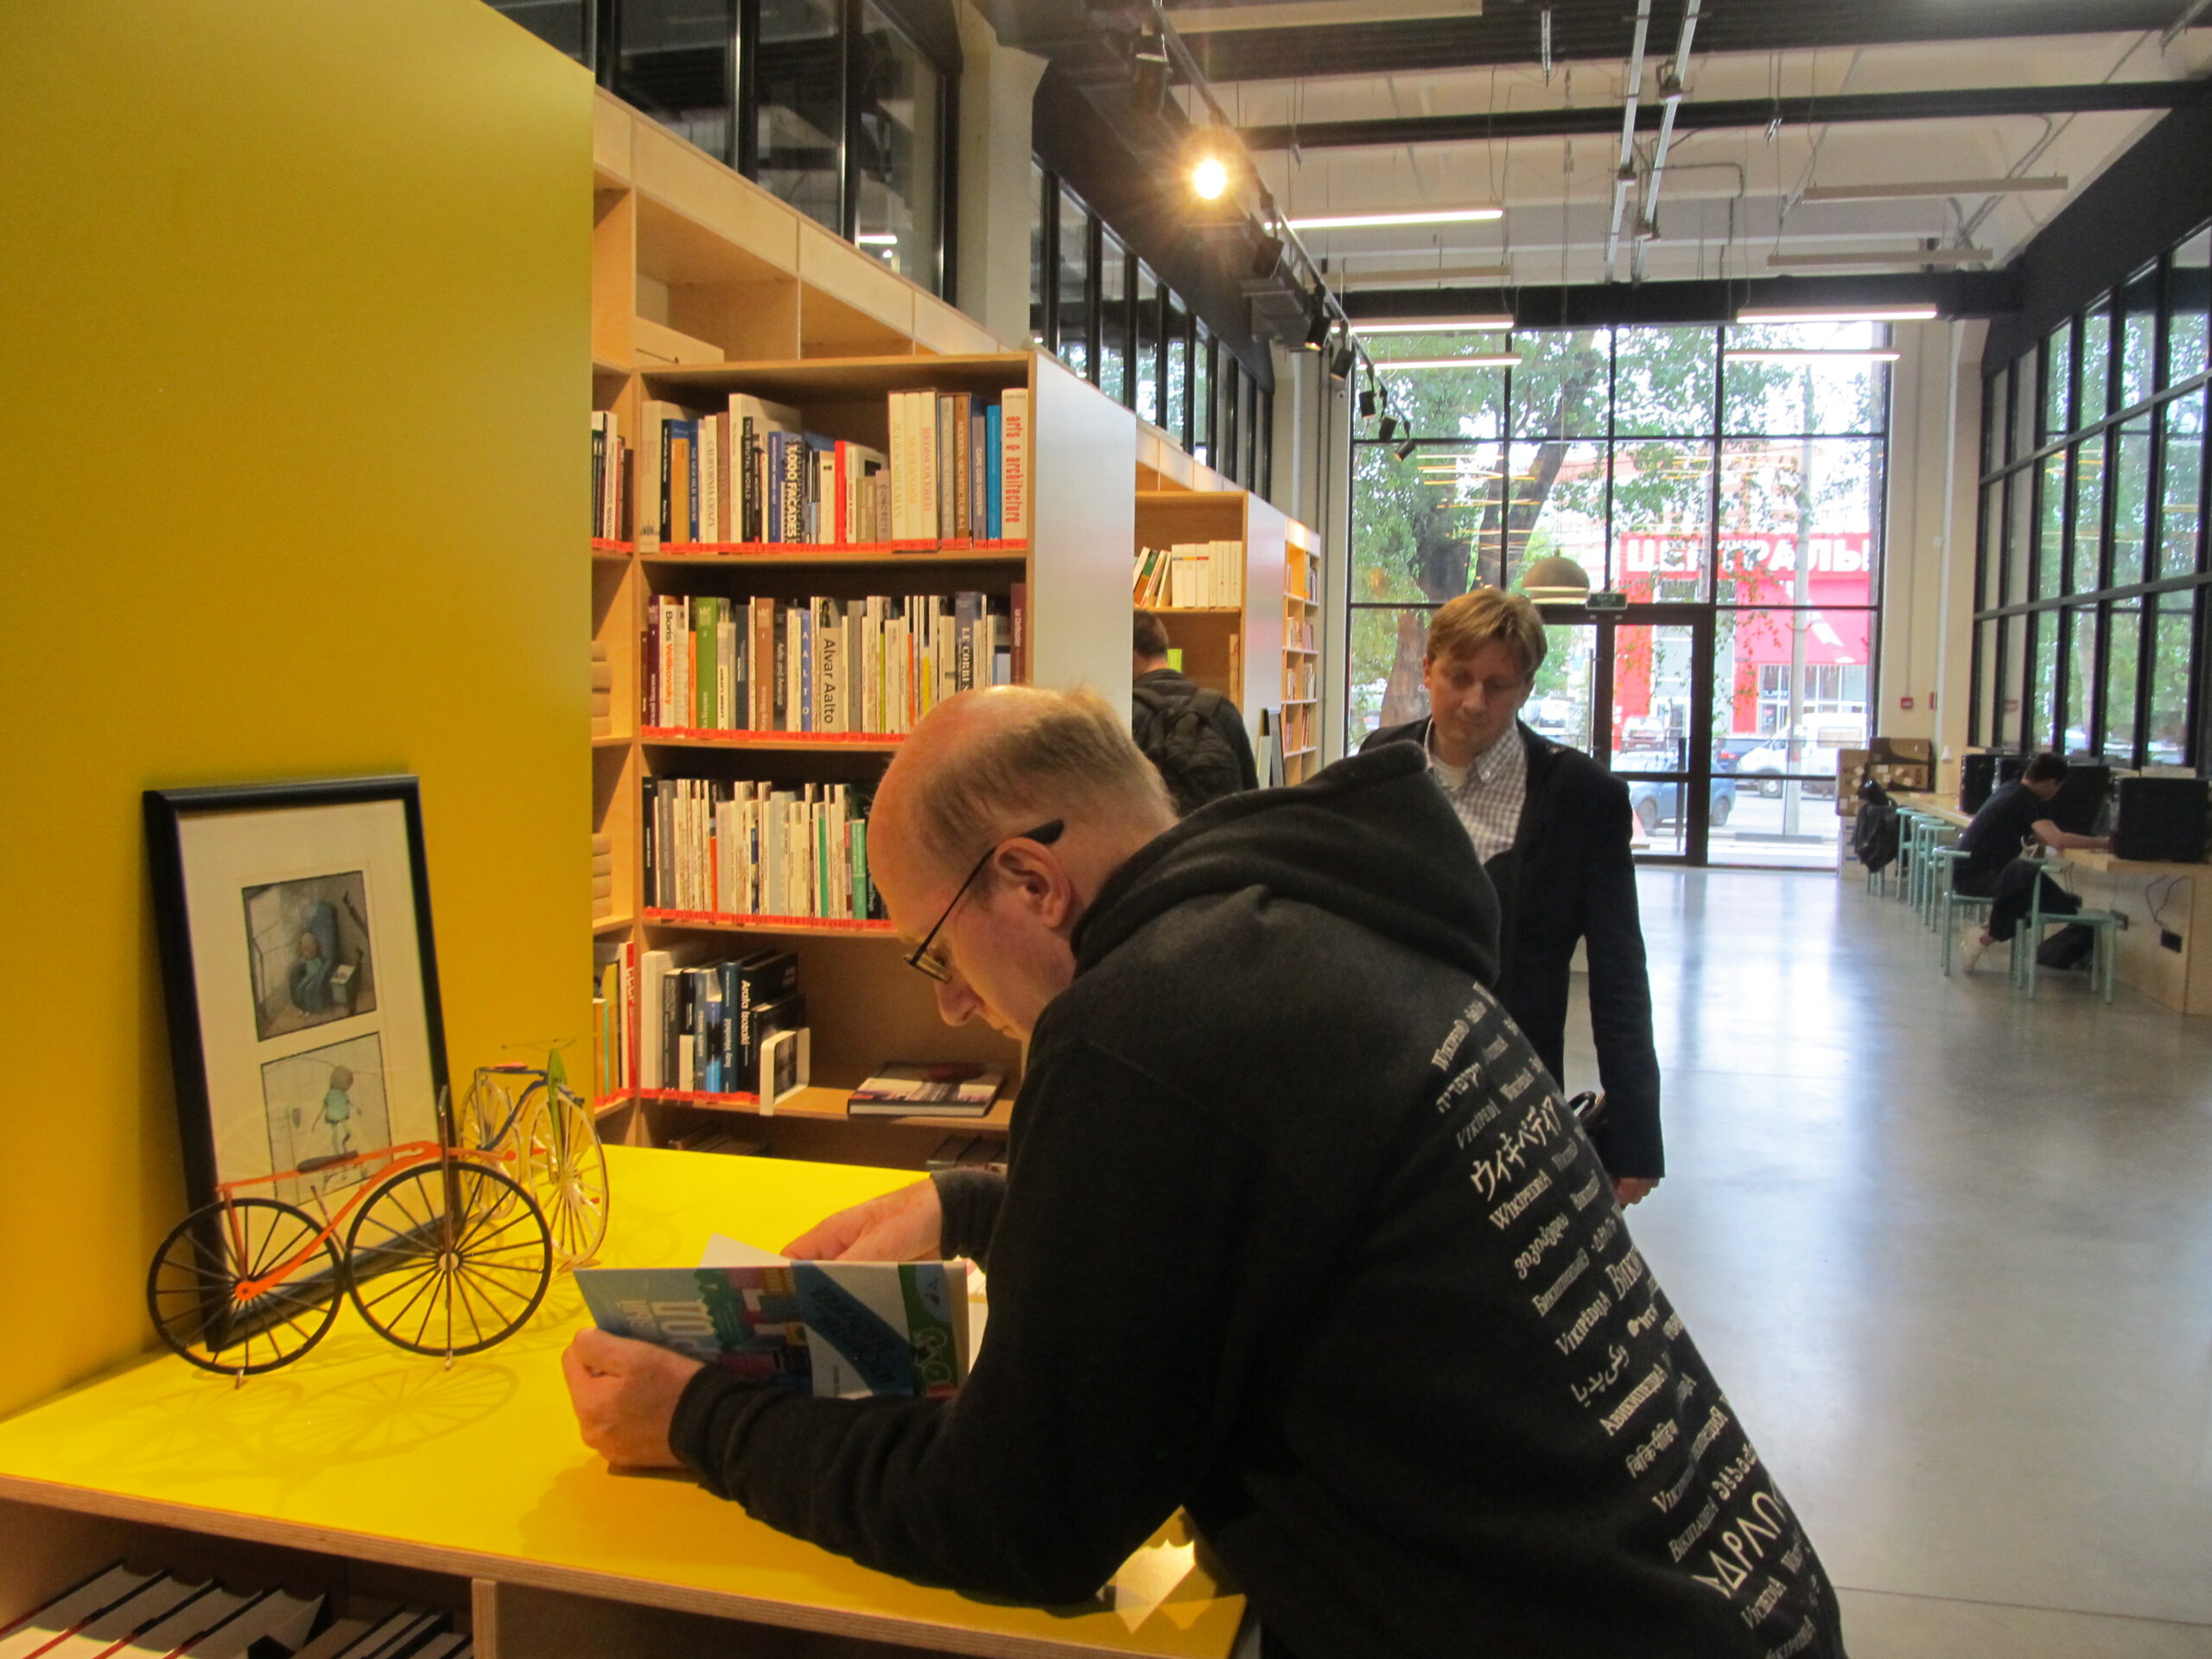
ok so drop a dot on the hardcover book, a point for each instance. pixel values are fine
(928, 1089)
(837, 1329)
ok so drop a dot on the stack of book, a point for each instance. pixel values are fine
(873, 665)
(613, 1001)
(138, 1614)
(602, 692)
(610, 469)
(1189, 575)
(704, 1027)
(602, 877)
(751, 473)
(716, 849)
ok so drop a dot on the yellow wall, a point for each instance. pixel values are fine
(293, 317)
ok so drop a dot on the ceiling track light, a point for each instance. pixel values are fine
(1405, 451)
(1267, 255)
(1149, 76)
(1367, 402)
(1346, 360)
(1387, 429)
(1318, 327)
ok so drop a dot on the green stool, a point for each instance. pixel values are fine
(1939, 854)
(1908, 821)
(2025, 942)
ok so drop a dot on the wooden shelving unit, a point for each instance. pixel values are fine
(1301, 653)
(704, 285)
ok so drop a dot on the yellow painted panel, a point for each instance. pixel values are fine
(295, 304)
(367, 1447)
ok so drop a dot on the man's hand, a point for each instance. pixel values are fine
(1634, 1189)
(624, 1395)
(901, 1226)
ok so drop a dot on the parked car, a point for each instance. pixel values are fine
(1816, 754)
(1657, 802)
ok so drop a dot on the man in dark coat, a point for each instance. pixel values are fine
(1552, 827)
(1295, 1234)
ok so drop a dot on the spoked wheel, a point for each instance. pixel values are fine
(448, 1258)
(565, 1168)
(194, 1288)
(488, 1114)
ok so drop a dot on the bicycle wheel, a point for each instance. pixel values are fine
(192, 1290)
(448, 1258)
(488, 1116)
(564, 1167)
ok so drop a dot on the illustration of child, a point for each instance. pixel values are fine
(317, 956)
(338, 1111)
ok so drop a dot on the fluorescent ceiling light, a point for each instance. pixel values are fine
(1434, 326)
(1413, 277)
(1421, 216)
(1892, 257)
(1932, 188)
(1806, 355)
(878, 238)
(1867, 314)
(1480, 360)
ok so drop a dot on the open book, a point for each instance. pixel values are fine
(834, 1329)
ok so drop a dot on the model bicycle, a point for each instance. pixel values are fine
(536, 1118)
(447, 1254)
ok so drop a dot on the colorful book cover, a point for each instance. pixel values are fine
(837, 1329)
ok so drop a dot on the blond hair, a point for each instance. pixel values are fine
(1069, 757)
(1468, 623)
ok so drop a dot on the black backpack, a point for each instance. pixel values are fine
(1874, 835)
(1177, 732)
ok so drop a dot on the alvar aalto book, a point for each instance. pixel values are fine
(833, 1329)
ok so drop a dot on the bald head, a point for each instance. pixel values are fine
(985, 765)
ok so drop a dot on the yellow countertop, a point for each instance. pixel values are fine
(362, 1449)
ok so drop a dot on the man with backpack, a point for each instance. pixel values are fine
(1194, 736)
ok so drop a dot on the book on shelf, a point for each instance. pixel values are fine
(610, 469)
(928, 1089)
(751, 472)
(613, 1004)
(873, 665)
(714, 847)
(703, 1025)
(1189, 575)
(834, 1330)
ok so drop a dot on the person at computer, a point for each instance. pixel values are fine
(2014, 820)
(1295, 1234)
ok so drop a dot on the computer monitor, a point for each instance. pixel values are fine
(2080, 798)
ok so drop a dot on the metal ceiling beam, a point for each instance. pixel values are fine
(1592, 305)
(1712, 115)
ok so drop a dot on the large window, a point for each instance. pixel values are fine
(1742, 492)
(1104, 313)
(2091, 577)
(832, 106)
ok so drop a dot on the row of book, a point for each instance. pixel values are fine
(852, 666)
(137, 1613)
(666, 1024)
(602, 877)
(715, 847)
(1189, 575)
(956, 471)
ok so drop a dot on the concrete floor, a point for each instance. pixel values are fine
(1950, 1253)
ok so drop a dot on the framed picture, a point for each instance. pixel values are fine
(301, 978)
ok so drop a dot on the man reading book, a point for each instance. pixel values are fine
(1295, 1234)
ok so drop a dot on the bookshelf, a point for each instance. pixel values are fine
(706, 286)
(1301, 653)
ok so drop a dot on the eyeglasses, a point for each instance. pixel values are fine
(937, 967)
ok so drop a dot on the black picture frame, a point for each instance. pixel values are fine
(212, 1040)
